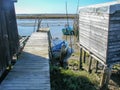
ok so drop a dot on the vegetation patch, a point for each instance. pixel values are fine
(68, 79)
(71, 78)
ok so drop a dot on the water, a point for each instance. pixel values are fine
(27, 26)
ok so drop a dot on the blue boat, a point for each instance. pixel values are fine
(67, 30)
(59, 47)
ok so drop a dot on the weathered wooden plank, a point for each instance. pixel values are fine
(31, 71)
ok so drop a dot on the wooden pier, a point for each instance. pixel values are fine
(31, 71)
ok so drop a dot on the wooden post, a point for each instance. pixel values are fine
(35, 25)
(74, 37)
(90, 63)
(62, 55)
(66, 37)
(105, 77)
(39, 23)
(96, 67)
(71, 34)
(108, 75)
(80, 66)
(84, 57)
(50, 49)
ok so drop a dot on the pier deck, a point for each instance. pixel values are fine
(31, 72)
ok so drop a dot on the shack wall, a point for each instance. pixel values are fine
(99, 31)
(114, 38)
(9, 41)
(12, 31)
(94, 33)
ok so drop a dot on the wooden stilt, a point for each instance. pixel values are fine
(75, 40)
(62, 56)
(50, 49)
(102, 82)
(66, 37)
(39, 23)
(105, 78)
(96, 67)
(17, 56)
(109, 68)
(84, 57)
(71, 42)
(90, 63)
(80, 58)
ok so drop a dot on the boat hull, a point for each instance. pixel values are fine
(59, 48)
(67, 32)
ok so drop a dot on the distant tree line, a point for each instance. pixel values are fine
(45, 16)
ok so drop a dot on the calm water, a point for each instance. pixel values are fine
(27, 26)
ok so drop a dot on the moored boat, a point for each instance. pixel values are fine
(67, 30)
(59, 47)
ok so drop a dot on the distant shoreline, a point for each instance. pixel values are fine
(45, 16)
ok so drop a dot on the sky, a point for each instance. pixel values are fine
(52, 6)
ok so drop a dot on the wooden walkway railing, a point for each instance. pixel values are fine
(31, 71)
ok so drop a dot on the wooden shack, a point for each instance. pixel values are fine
(99, 31)
(9, 41)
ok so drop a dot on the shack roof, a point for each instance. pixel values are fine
(109, 7)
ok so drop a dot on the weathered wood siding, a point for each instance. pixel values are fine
(99, 30)
(114, 38)
(93, 33)
(11, 26)
(8, 33)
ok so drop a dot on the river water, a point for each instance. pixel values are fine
(27, 26)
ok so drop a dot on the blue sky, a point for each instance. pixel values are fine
(51, 6)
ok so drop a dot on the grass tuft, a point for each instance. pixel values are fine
(67, 79)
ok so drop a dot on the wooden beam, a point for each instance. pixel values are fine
(84, 57)
(105, 77)
(80, 66)
(96, 66)
(90, 63)
(91, 54)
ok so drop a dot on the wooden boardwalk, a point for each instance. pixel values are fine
(31, 72)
